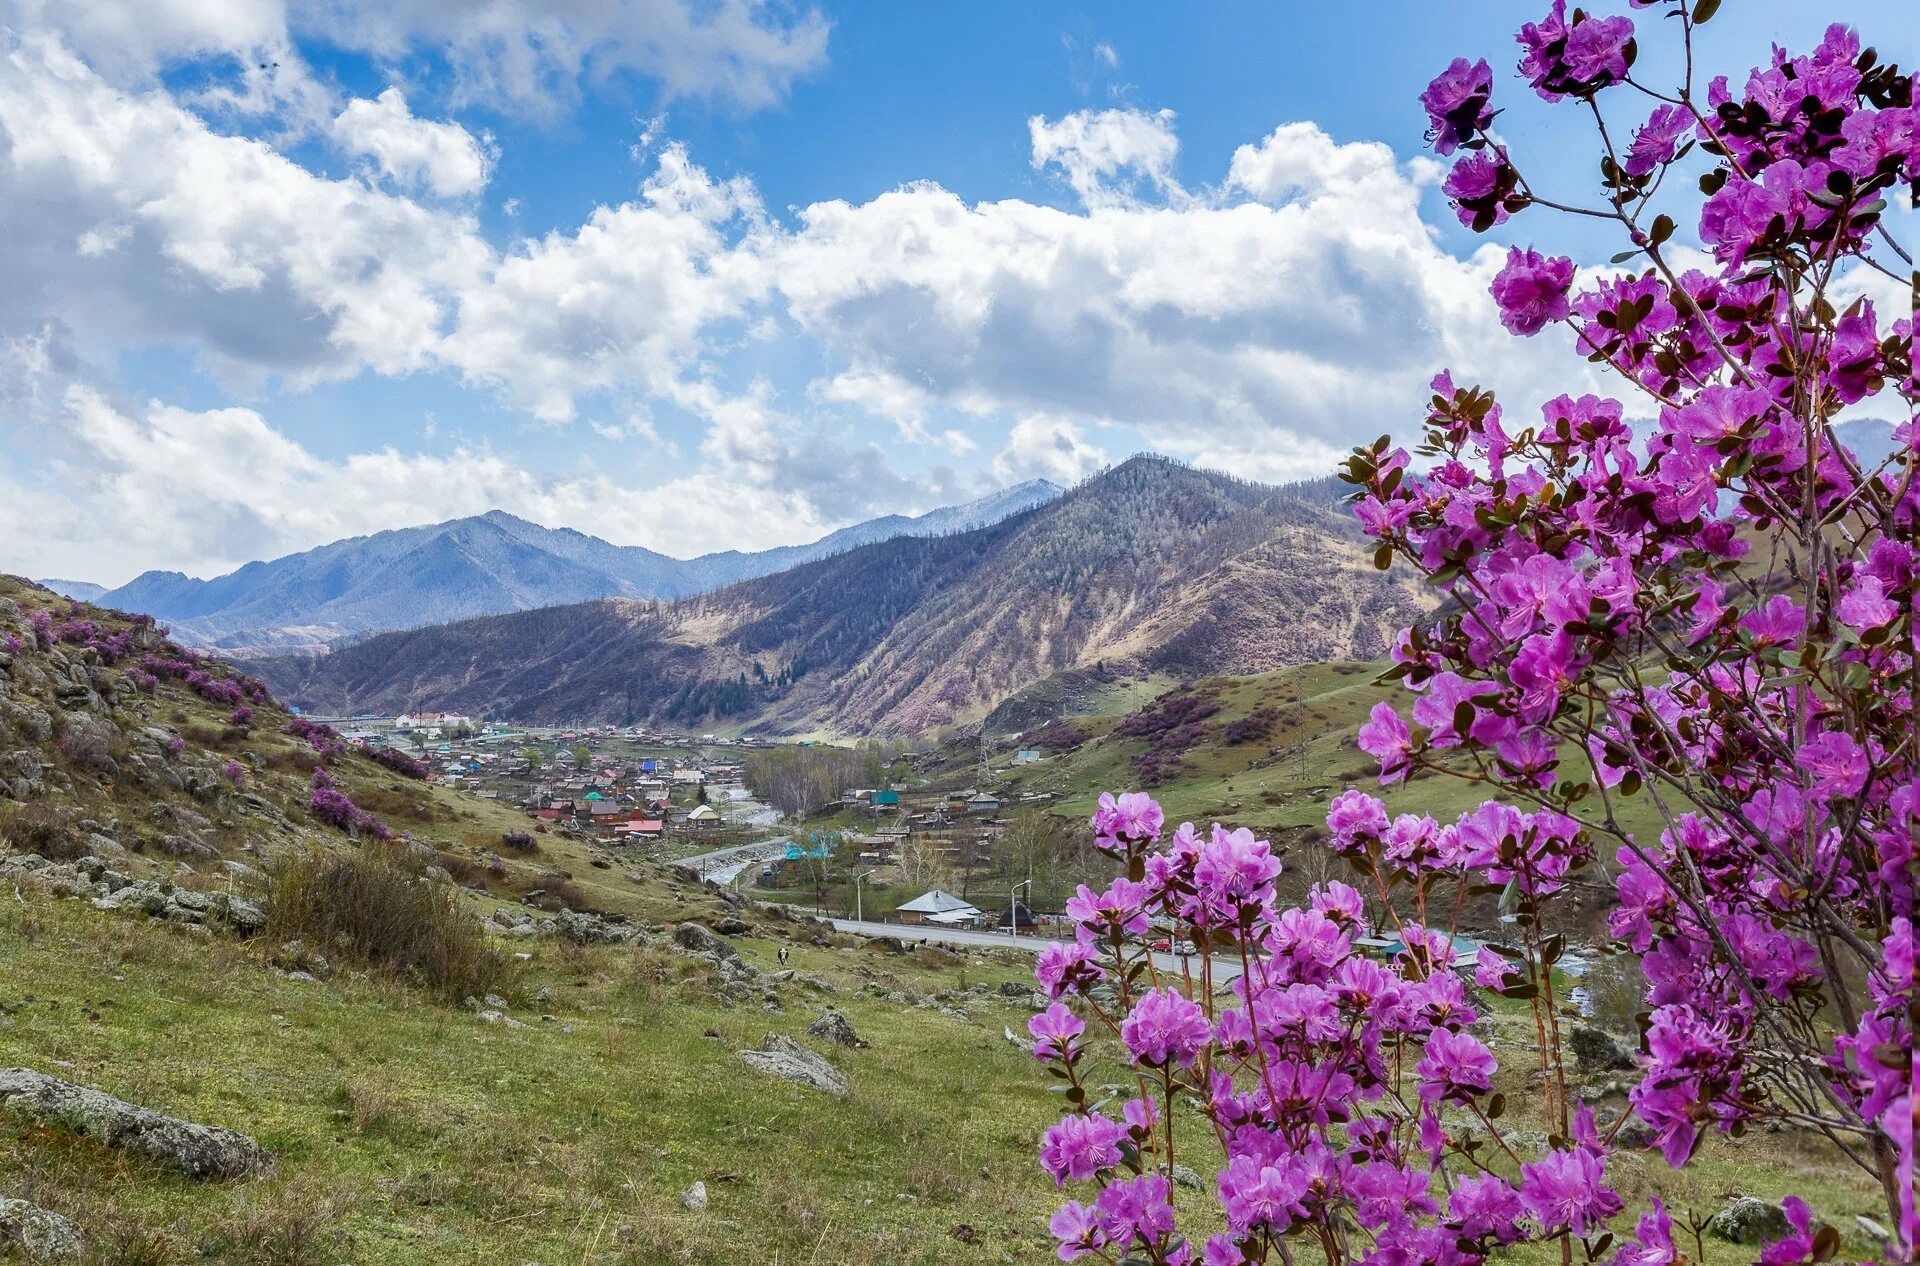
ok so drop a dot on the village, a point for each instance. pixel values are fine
(911, 849)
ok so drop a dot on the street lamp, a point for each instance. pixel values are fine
(1013, 907)
(857, 907)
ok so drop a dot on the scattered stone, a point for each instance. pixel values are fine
(198, 1151)
(1596, 1050)
(1188, 1177)
(695, 1197)
(833, 1026)
(39, 1234)
(733, 927)
(702, 940)
(785, 1058)
(502, 1019)
(1749, 1221)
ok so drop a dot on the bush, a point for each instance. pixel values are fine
(399, 762)
(39, 828)
(520, 841)
(366, 904)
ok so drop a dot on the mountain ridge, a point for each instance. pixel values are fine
(484, 564)
(1154, 565)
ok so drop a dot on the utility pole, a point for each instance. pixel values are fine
(1013, 907)
(859, 915)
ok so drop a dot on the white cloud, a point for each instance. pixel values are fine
(1107, 154)
(1264, 323)
(1041, 447)
(127, 219)
(414, 153)
(150, 473)
(531, 54)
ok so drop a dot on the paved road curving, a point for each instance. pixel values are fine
(1223, 969)
(724, 865)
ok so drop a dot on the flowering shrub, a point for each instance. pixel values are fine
(195, 672)
(240, 716)
(40, 627)
(11, 644)
(323, 739)
(1171, 725)
(236, 773)
(1713, 614)
(331, 805)
(399, 762)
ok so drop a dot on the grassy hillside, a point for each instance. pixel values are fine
(1270, 752)
(408, 1131)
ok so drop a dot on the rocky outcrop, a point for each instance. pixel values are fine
(37, 1234)
(1748, 1221)
(96, 879)
(833, 1026)
(699, 939)
(785, 1058)
(198, 1151)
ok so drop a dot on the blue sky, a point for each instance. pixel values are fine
(701, 276)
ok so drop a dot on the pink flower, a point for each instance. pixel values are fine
(1165, 1027)
(1567, 1189)
(1056, 1033)
(1531, 291)
(1865, 606)
(1455, 1066)
(1656, 140)
(1078, 1231)
(1079, 1145)
(1385, 737)
(1456, 104)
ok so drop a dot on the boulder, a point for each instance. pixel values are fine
(1749, 1221)
(695, 1197)
(38, 1234)
(1596, 1050)
(785, 1058)
(702, 940)
(833, 1026)
(198, 1151)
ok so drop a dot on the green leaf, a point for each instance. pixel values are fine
(1383, 557)
(1624, 256)
(1662, 229)
(1704, 11)
(1496, 1107)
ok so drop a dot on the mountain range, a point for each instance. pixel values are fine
(1151, 566)
(485, 565)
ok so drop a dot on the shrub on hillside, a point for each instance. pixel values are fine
(520, 841)
(39, 828)
(332, 806)
(398, 761)
(367, 904)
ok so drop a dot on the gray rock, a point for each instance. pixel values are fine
(39, 1235)
(1748, 1221)
(785, 1058)
(1185, 1176)
(198, 1151)
(695, 1197)
(702, 940)
(833, 1026)
(1596, 1050)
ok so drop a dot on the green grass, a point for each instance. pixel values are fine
(1281, 784)
(421, 1133)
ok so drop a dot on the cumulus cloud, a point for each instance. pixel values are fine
(206, 490)
(1264, 322)
(1042, 447)
(442, 157)
(1106, 155)
(530, 54)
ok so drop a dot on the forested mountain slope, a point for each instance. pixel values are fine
(1151, 565)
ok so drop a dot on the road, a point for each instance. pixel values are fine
(1224, 970)
(724, 865)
